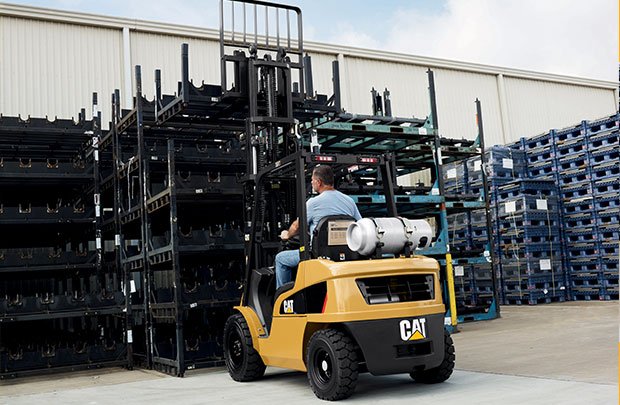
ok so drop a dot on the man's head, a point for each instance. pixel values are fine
(322, 178)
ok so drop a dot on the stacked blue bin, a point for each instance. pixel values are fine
(468, 230)
(584, 162)
(529, 241)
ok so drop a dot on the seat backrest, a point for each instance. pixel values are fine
(329, 239)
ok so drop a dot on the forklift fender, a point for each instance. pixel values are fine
(256, 328)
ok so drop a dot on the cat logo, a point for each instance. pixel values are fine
(414, 329)
(288, 307)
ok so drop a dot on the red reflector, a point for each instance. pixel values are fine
(323, 158)
(368, 160)
(324, 304)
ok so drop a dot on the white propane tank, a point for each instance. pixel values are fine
(364, 235)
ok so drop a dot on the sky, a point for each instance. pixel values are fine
(568, 37)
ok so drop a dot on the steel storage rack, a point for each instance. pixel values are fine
(416, 147)
(52, 276)
(468, 190)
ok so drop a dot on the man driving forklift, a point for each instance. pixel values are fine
(329, 202)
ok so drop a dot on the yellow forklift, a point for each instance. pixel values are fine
(361, 300)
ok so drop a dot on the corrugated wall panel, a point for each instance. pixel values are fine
(156, 51)
(322, 72)
(537, 106)
(52, 69)
(456, 95)
(407, 84)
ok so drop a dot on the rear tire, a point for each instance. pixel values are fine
(332, 365)
(444, 371)
(242, 360)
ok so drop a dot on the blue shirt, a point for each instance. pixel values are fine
(330, 202)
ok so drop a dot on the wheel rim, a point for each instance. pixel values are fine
(235, 349)
(323, 367)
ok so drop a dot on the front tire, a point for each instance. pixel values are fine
(332, 365)
(444, 370)
(242, 360)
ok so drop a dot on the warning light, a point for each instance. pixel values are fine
(368, 160)
(323, 158)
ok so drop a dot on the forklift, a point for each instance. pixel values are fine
(361, 300)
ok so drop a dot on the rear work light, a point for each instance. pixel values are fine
(368, 160)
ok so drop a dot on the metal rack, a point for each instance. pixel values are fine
(53, 278)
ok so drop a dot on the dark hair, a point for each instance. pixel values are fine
(325, 174)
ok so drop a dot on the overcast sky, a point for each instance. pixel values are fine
(570, 37)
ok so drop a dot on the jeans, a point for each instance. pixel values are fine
(286, 261)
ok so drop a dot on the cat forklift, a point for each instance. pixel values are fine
(361, 300)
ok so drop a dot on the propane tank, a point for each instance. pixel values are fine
(364, 235)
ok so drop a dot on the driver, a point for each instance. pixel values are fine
(329, 202)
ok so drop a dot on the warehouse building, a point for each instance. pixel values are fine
(52, 61)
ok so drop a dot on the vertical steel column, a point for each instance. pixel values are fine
(185, 72)
(336, 85)
(487, 204)
(116, 157)
(443, 214)
(300, 170)
(176, 267)
(144, 230)
(388, 185)
(96, 138)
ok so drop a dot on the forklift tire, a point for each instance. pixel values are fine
(444, 371)
(242, 360)
(332, 364)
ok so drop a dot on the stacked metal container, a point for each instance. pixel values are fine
(584, 163)
(59, 308)
(529, 242)
(522, 211)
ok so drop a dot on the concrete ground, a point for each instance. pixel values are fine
(557, 353)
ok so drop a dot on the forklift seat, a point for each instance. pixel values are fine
(329, 239)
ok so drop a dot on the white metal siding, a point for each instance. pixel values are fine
(322, 72)
(537, 106)
(51, 62)
(156, 51)
(52, 69)
(456, 95)
(407, 85)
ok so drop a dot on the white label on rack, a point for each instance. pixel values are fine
(193, 305)
(510, 206)
(451, 173)
(434, 191)
(199, 191)
(459, 271)
(508, 164)
(132, 286)
(117, 240)
(96, 155)
(477, 165)
(487, 256)
(422, 131)
(129, 336)
(545, 264)
(541, 205)
(97, 211)
(98, 243)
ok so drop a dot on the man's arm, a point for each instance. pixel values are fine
(293, 230)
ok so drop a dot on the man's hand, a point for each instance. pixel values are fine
(284, 235)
